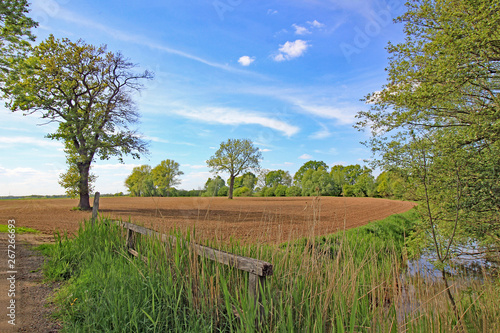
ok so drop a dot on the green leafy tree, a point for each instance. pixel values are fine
(318, 182)
(248, 180)
(87, 91)
(165, 175)
(310, 165)
(70, 180)
(15, 34)
(293, 191)
(278, 177)
(213, 187)
(242, 192)
(140, 182)
(235, 156)
(438, 120)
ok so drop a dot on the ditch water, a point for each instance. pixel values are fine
(471, 264)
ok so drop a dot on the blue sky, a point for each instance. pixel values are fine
(289, 75)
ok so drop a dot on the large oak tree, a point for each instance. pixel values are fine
(88, 92)
(15, 33)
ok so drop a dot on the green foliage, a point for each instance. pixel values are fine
(235, 156)
(437, 120)
(310, 165)
(213, 187)
(318, 182)
(280, 190)
(278, 177)
(165, 175)
(223, 191)
(15, 34)
(348, 281)
(87, 91)
(242, 192)
(268, 191)
(293, 191)
(70, 180)
(140, 183)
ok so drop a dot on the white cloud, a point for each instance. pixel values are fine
(305, 157)
(246, 60)
(26, 140)
(316, 24)
(272, 12)
(265, 150)
(230, 116)
(321, 134)
(291, 50)
(300, 30)
(194, 166)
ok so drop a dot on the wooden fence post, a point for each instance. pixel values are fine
(257, 283)
(95, 208)
(130, 239)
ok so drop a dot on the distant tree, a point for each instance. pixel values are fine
(213, 186)
(15, 34)
(318, 182)
(87, 91)
(223, 191)
(165, 175)
(140, 182)
(293, 191)
(248, 179)
(235, 156)
(278, 177)
(280, 190)
(310, 165)
(242, 192)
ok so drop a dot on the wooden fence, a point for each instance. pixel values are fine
(258, 270)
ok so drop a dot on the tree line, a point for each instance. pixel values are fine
(314, 178)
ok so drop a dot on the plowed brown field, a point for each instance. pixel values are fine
(267, 220)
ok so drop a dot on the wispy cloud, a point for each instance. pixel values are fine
(127, 36)
(231, 116)
(291, 50)
(305, 157)
(300, 30)
(321, 134)
(272, 12)
(316, 24)
(265, 150)
(26, 140)
(246, 60)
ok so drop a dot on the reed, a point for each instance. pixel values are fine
(352, 281)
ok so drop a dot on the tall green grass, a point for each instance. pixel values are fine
(352, 281)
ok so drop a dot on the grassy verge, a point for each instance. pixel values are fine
(19, 230)
(352, 281)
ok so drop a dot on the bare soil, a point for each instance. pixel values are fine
(266, 220)
(32, 306)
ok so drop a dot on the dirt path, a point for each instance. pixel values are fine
(30, 300)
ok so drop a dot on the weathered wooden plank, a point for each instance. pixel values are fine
(254, 266)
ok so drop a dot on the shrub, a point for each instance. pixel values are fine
(243, 192)
(280, 190)
(293, 191)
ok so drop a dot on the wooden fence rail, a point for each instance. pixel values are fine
(258, 270)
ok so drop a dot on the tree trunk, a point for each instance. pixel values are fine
(84, 169)
(231, 185)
